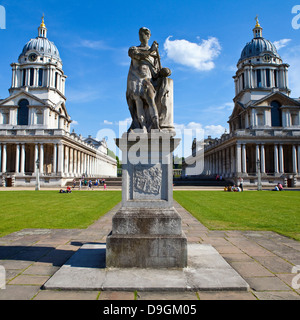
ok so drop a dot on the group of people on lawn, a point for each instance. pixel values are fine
(240, 188)
(235, 188)
(278, 187)
(87, 183)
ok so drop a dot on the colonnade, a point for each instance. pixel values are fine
(54, 159)
(242, 158)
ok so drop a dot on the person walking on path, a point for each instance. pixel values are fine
(241, 181)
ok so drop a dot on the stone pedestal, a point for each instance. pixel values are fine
(147, 231)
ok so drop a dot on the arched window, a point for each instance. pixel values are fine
(23, 113)
(276, 114)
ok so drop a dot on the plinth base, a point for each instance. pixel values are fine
(146, 238)
(206, 270)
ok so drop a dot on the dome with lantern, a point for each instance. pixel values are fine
(258, 46)
(40, 46)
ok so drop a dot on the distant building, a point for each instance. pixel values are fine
(35, 124)
(264, 125)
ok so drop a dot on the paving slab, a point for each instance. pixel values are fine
(116, 295)
(22, 292)
(206, 270)
(277, 295)
(267, 284)
(167, 296)
(66, 295)
(226, 296)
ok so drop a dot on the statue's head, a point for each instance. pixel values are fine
(144, 34)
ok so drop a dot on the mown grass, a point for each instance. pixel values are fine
(266, 210)
(52, 210)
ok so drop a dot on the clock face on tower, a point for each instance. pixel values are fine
(267, 58)
(32, 57)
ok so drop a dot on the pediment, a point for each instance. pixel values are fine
(283, 99)
(238, 108)
(61, 109)
(14, 100)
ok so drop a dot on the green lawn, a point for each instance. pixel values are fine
(266, 210)
(52, 210)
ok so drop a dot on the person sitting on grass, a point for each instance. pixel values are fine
(69, 190)
(276, 188)
(280, 187)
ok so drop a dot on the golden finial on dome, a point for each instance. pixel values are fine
(257, 22)
(43, 21)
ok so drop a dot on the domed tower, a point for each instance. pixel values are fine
(39, 73)
(39, 69)
(261, 70)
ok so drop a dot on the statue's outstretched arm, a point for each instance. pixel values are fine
(135, 53)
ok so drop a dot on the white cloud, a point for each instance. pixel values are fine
(107, 122)
(192, 130)
(92, 44)
(199, 56)
(74, 123)
(226, 106)
(214, 131)
(198, 130)
(281, 43)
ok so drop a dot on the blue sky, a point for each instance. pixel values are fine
(200, 41)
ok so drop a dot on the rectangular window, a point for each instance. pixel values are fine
(31, 77)
(260, 119)
(40, 77)
(39, 117)
(5, 117)
(243, 80)
(24, 78)
(56, 79)
(295, 119)
(258, 78)
(275, 78)
(268, 78)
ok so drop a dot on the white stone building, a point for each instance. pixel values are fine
(264, 125)
(35, 124)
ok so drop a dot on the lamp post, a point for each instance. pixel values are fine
(259, 185)
(37, 183)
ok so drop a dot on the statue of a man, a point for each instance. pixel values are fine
(144, 83)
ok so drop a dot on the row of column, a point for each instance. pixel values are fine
(72, 162)
(233, 159)
(66, 160)
(49, 77)
(221, 162)
(248, 78)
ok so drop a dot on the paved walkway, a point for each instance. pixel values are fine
(264, 259)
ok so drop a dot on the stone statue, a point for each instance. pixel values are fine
(148, 88)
